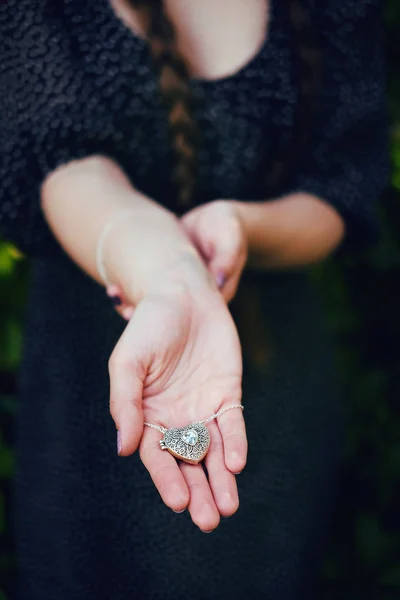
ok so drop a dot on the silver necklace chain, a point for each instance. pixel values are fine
(214, 416)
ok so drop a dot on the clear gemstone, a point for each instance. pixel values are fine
(190, 437)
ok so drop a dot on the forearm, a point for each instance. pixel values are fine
(295, 230)
(80, 198)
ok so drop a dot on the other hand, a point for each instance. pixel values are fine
(216, 230)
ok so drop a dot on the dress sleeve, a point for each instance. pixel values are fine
(348, 161)
(41, 121)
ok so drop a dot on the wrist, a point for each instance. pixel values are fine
(259, 220)
(241, 210)
(187, 274)
(153, 255)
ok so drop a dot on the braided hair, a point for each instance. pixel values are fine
(176, 93)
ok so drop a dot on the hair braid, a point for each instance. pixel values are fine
(176, 93)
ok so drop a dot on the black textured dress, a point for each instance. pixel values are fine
(74, 81)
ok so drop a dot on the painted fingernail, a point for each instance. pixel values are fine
(220, 279)
(119, 442)
(178, 512)
(116, 300)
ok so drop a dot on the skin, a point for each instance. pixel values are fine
(179, 357)
(215, 38)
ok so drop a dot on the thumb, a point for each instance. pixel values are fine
(200, 239)
(226, 257)
(126, 388)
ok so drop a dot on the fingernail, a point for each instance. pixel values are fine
(112, 289)
(116, 300)
(220, 279)
(211, 530)
(119, 443)
(127, 313)
(178, 512)
(238, 473)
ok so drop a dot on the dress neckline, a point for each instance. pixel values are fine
(141, 44)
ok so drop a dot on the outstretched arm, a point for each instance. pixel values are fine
(179, 359)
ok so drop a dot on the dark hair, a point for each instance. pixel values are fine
(176, 93)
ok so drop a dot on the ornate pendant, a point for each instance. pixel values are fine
(189, 443)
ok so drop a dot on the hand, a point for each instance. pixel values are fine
(217, 232)
(179, 361)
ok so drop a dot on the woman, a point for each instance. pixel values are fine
(147, 146)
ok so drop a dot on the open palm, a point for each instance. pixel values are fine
(179, 361)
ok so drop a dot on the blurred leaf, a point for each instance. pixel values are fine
(10, 349)
(15, 253)
(6, 262)
(6, 461)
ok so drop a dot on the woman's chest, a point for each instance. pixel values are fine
(215, 39)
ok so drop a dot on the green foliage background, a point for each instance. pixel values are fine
(362, 298)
